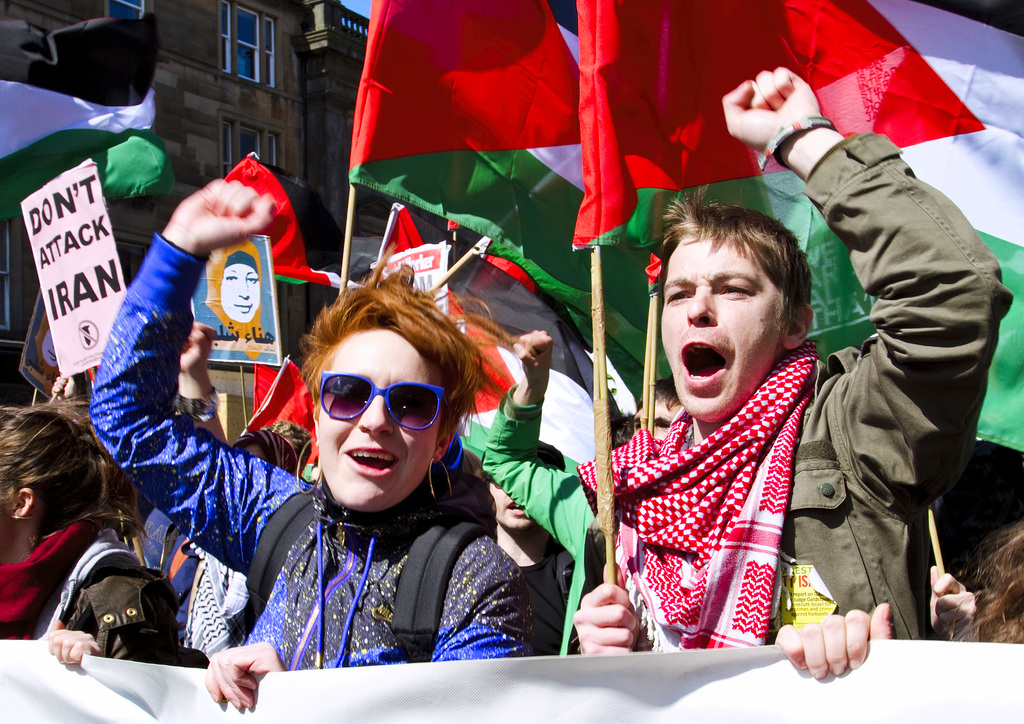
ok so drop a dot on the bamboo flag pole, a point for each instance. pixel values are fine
(479, 248)
(933, 532)
(602, 428)
(346, 250)
(650, 364)
(653, 271)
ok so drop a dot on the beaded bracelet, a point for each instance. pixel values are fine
(786, 132)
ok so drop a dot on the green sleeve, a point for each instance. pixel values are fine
(550, 496)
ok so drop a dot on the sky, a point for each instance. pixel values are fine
(360, 6)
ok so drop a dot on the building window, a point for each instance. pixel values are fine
(225, 37)
(247, 44)
(268, 51)
(5, 275)
(125, 9)
(249, 140)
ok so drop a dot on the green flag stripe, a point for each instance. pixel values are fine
(130, 163)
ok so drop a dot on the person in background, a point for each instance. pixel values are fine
(65, 573)
(546, 565)
(666, 408)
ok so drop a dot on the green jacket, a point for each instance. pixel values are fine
(548, 494)
(892, 424)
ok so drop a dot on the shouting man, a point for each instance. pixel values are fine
(793, 489)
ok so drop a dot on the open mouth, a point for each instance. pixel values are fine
(702, 361)
(376, 460)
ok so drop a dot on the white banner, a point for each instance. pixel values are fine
(902, 681)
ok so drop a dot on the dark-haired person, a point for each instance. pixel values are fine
(64, 570)
(391, 377)
(786, 470)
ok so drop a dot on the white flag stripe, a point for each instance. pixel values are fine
(982, 173)
(31, 114)
(983, 65)
(566, 161)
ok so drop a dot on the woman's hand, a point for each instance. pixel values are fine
(232, 674)
(218, 215)
(70, 646)
(837, 644)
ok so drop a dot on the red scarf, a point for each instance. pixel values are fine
(26, 587)
(690, 501)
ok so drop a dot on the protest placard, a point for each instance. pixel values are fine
(80, 277)
(237, 297)
(38, 358)
(428, 262)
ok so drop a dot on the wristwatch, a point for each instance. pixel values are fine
(201, 410)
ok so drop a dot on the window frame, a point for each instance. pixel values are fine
(136, 7)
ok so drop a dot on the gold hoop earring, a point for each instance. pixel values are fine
(449, 478)
(430, 481)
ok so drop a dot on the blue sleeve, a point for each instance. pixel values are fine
(218, 496)
(487, 609)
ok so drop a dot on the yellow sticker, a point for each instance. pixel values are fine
(805, 598)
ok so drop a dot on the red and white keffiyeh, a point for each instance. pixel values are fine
(722, 501)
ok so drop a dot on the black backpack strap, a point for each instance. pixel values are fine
(281, 531)
(423, 586)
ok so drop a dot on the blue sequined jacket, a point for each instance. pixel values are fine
(221, 497)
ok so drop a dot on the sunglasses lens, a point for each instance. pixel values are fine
(345, 397)
(413, 406)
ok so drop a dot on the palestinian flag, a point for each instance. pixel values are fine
(493, 88)
(306, 240)
(946, 89)
(76, 93)
(513, 301)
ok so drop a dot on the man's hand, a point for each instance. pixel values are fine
(606, 621)
(838, 644)
(218, 215)
(953, 608)
(70, 646)
(757, 109)
(232, 674)
(534, 349)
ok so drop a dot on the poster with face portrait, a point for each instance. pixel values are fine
(38, 357)
(236, 296)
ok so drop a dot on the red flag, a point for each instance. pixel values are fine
(305, 237)
(652, 77)
(281, 396)
(402, 233)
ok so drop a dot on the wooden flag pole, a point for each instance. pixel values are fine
(650, 364)
(933, 532)
(241, 379)
(476, 250)
(346, 250)
(602, 427)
